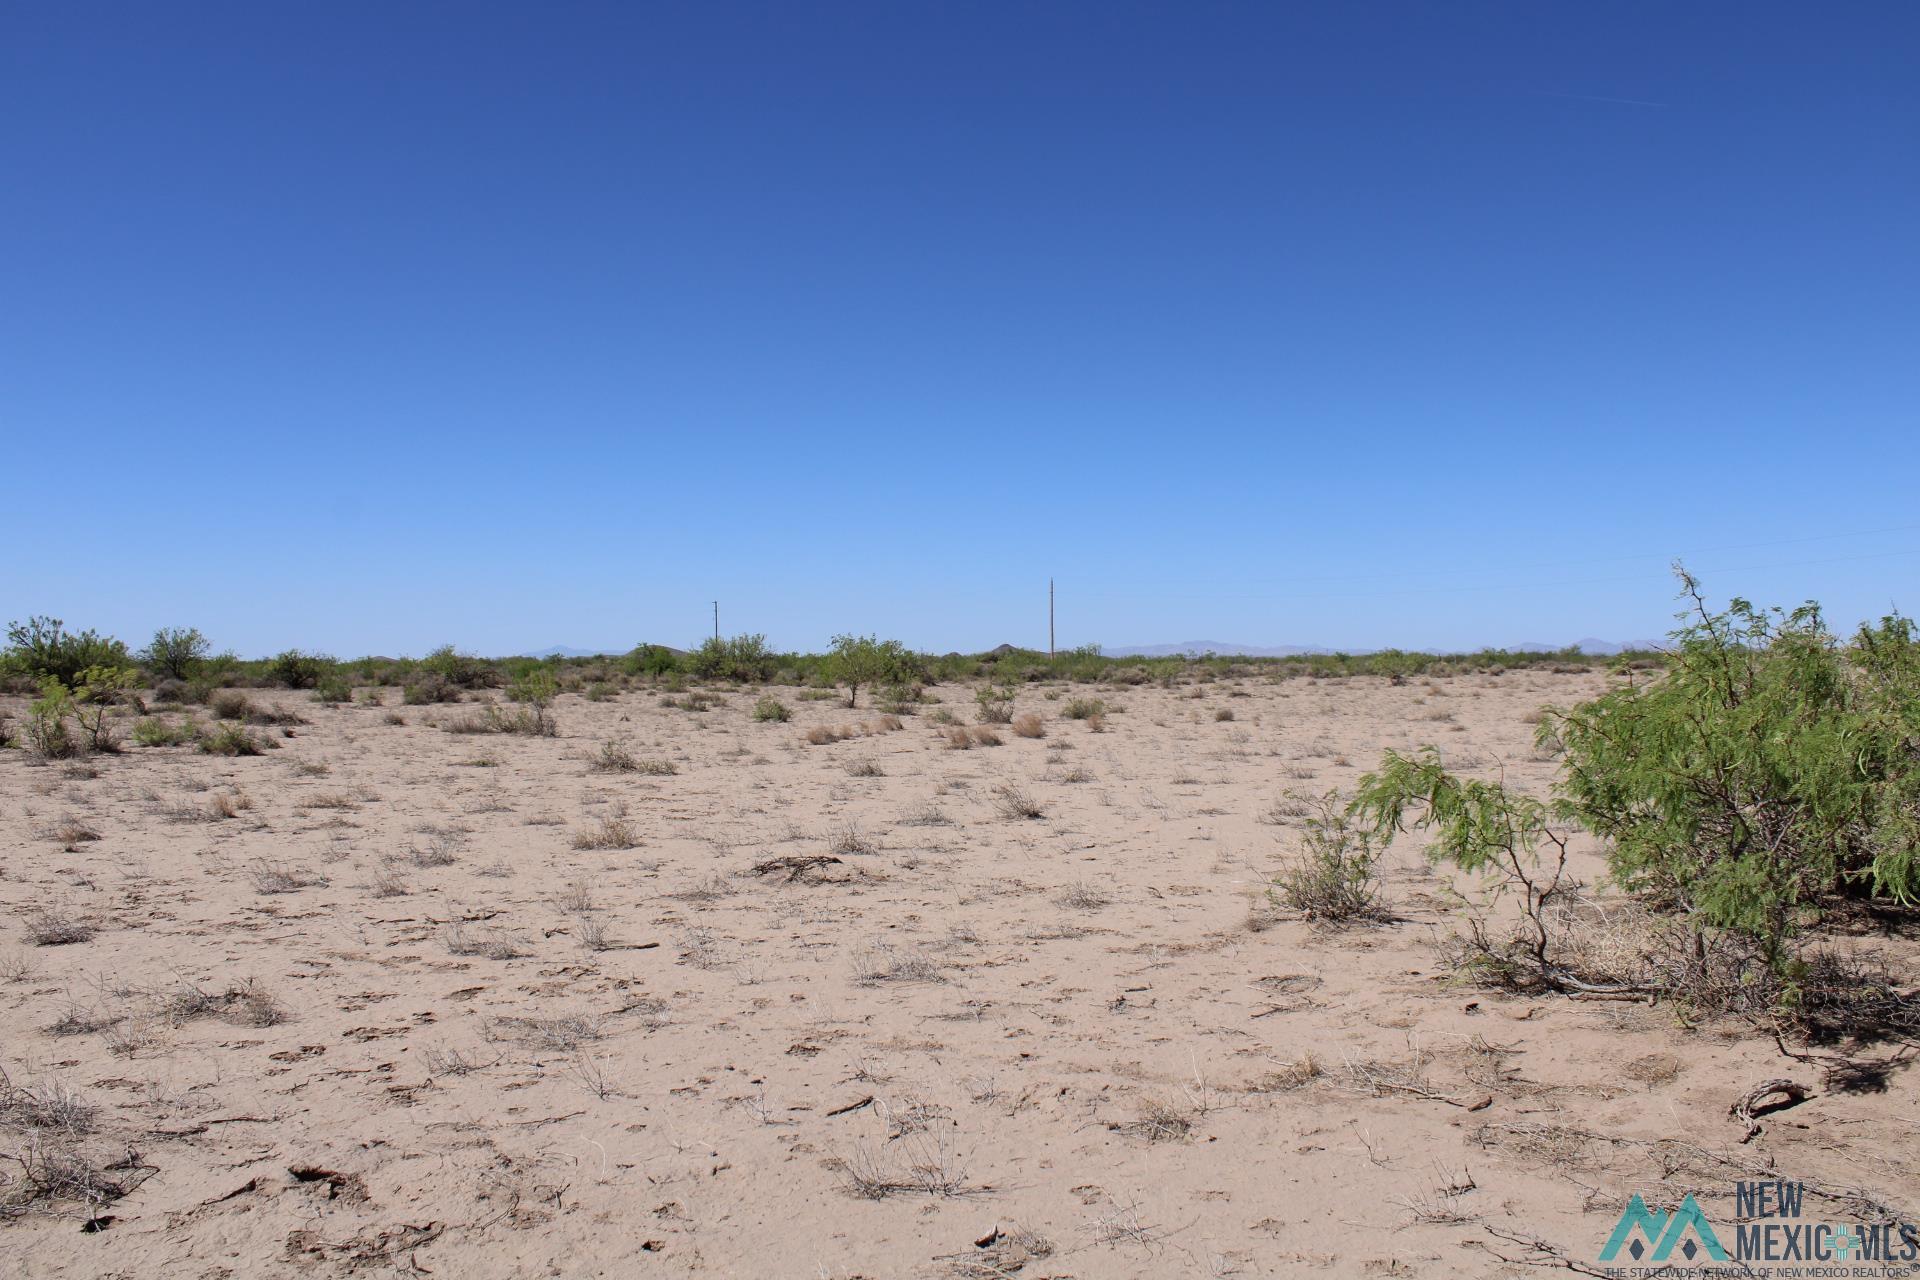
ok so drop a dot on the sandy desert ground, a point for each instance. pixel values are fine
(365, 1005)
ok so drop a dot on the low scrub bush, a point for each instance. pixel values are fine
(294, 669)
(1331, 875)
(855, 661)
(234, 740)
(1770, 772)
(743, 658)
(177, 653)
(47, 733)
(229, 704)
(42, 649)
(996, 703)
(152, 731)
(771, 709)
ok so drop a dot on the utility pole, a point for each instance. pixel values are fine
(1049, 617)
(716, 619)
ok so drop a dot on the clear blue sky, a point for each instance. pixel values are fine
(365, 327)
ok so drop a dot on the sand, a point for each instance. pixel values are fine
(388, 1019)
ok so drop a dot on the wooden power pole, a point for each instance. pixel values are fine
(716, 619)
(1049, 617)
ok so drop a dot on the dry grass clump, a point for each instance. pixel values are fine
(865, 769)
(438, 851)
(958, 739)
(1302, 1071)
(48, 1106)
(985, 736)
(224, 806)
(611, 832)
(529, 721)
(1160, 1121)
(488, 943)
(820, 734)
(1002, 1252)
(1029, 725)
(1330, 876)
(1081, 896)
(229, 704)
(56, 927)
(885, 963)
(918, 1164)
(565, 1032)
(49, 1163)
(1083, 708)
(234, 740)
(1010, 801)
(71, 831)
(387, 882)
(270, 877)
(246, 1003)
(850, 839)
(612, 757)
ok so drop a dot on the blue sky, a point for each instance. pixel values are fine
(367, 327)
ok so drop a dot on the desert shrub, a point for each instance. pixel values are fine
(535, 692)
(1770, 768)
(176, 653)
(334, 687)
(863, 660)
(743, 658)
(43, 649)
(1083, 708)
(229, 704)
(996, 703)
(1029, 725)
(530, 721)
(152, 731)
(294, 669)
(770, 708)
(902, 697)
(1331, 874)
(612, 757)
(1011, 801)
(46, 733)
(52, 927)
(1483, 829)
(234, 740)
(462, 670)
(651, 660)
(92, 705)
(426, 688)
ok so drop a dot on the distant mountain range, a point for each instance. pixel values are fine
(1598, 648)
